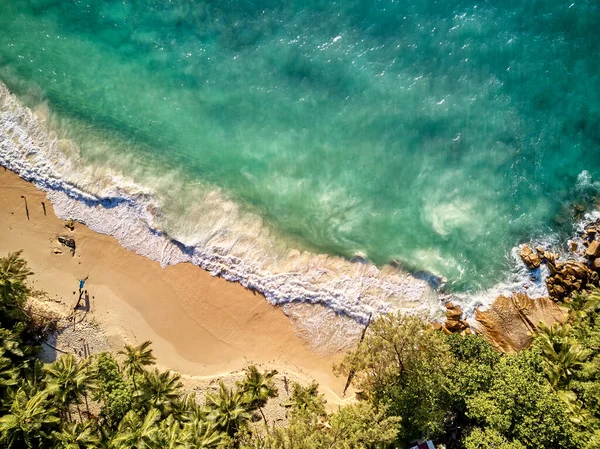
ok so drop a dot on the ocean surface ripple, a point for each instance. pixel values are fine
(274, 142)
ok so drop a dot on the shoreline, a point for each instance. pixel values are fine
(212, 231)
(200, 325)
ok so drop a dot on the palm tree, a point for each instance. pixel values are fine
(136, 358)
(29, 422)
(161, 390)
(13, 288)
(228, 409)
(307, 398)
(9, 375)
(575, 407)
(77, 436)
(66, 381)
(186, 409)
(203, 434)
(133, 433)
(258, 388)
(583, 308)
(171, 435)
(584, 303)
(561, 353)
(33, 376)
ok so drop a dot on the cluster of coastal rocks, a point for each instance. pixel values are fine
(510, 322)
(572, 275)
(455, 322)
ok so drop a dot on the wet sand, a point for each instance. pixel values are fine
(200, 325)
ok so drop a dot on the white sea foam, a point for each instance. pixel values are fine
(171, 222)
(533, 282)
(213, 232)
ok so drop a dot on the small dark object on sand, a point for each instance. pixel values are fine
(68, 242)
(26, 207)
(69, 224)
(44, 207)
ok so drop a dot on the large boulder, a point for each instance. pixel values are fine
(568, 277)
(530, 257)
(510, 321)
(593, 250)
(454, 322)
(545, 256)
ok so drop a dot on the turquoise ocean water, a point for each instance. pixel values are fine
(439, 134)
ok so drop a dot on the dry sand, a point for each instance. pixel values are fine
(199, 325)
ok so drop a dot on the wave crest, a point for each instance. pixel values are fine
(212, 232)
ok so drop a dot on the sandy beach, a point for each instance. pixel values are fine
(199, 325)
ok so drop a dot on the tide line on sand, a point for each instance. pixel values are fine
(247, 256)
(200, 325)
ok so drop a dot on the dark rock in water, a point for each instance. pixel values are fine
(531, 259)
(434, 281)
(68, 242)
(395, 263)
(359, 257)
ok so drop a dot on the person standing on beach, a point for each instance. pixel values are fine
(81, 285)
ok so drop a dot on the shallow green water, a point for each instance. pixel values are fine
(440, 133)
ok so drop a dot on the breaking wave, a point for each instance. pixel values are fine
(215, 233)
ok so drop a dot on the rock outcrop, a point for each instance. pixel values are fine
(454, 320)
(568, 277)
(509, 323)
(531, 259)
(593, 250)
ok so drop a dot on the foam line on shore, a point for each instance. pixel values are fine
(355, 289)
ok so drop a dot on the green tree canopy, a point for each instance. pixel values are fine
(402, 364)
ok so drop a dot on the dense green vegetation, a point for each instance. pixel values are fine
(416, 383)
(545, 397)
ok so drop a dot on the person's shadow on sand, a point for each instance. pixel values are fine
(84, 302)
